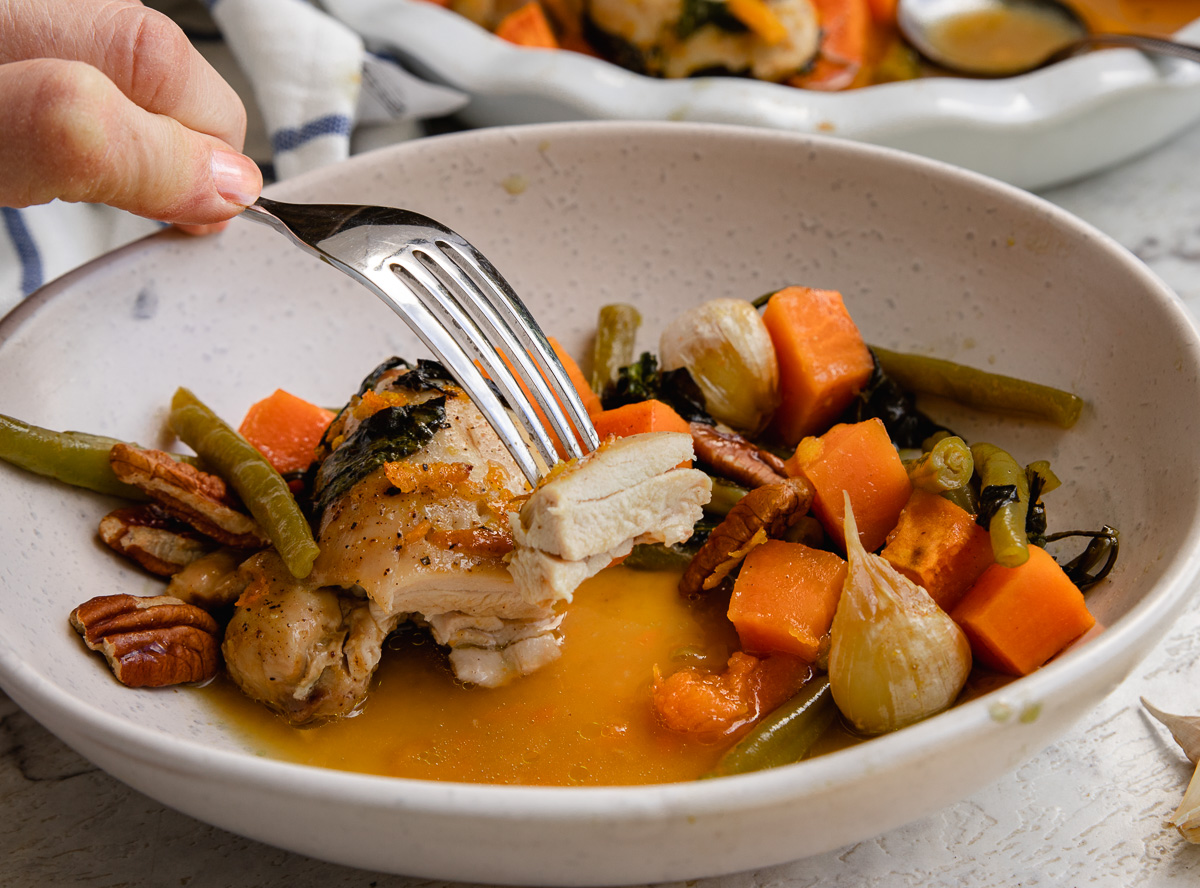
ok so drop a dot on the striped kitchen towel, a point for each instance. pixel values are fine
(314, 96)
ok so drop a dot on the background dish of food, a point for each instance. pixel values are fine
(936, 259)
(1043, 128)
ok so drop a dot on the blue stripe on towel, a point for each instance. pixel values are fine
(291, 138)
(32, 274)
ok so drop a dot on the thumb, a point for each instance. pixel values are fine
(71, 134)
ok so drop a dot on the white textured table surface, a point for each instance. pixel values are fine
(1087, 811)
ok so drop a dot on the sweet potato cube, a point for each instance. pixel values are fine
(857, 458)
(785, 597)
(823, 361)
(938, 545)
(1017, 618)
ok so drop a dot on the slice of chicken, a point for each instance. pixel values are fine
(628, 491)
(491, 652)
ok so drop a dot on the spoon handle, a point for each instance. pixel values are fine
(1155, 45)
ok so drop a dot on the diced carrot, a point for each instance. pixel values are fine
(643, 416)
(785, 597)
(528, 26)
(846, 36)
(938, 545)
(857, 458)
(1017, 618)
(286, 430)
(823, 361)
(713, 706)
(883, 11)
(591, 401)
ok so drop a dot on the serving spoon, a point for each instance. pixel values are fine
(1003, 38)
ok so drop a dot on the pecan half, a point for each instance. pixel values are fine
(150, 642)
(764, 513)
(200, 499)
(734, 457)
(162, 544)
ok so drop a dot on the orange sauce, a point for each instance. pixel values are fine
(585, 719)
(996, 41)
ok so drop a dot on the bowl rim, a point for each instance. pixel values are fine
(466, 56)
(1131, 635)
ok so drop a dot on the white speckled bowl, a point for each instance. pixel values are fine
(930, 258)
(1046, 127)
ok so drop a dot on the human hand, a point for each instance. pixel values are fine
(106, 101)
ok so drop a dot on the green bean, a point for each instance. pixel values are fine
(261, 488)
(725, 495)
(785, 735)
(761, 301)
(980, 389)
(963, 497)
(1041, 470)
(75, 458)
(616, 335)
(931, 442)
(1004, 476)
(948, 466)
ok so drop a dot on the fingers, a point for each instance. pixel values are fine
(140, 50)
(71, 133)
(211, 228)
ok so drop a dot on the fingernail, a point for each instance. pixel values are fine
(236, 177)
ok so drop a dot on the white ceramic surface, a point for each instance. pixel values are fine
(1034, 131)
(929, 258)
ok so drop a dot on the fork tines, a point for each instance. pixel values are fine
(464, 311)
(468, 297)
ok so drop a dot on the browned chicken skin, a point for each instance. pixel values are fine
(308, 653)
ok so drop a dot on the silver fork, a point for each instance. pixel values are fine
(460, 306)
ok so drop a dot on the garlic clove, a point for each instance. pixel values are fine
(1184, 728)
(725, 346)
(1186, 818)
(1186, 731)
(895, 657)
